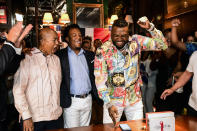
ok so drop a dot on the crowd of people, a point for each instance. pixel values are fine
(88, 82)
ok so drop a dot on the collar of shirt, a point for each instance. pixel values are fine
(36, 51)
(81, 52)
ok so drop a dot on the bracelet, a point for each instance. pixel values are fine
(151, 27)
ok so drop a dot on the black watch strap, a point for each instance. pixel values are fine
(10, 42)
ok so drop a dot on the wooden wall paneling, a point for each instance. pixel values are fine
(187, 16)
(36, 21)
(178, 5)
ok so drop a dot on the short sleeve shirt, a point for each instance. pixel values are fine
(192, 67)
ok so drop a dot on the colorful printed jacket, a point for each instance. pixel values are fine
(116, 75)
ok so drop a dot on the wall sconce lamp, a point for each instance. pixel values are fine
(47, 19)
(64, 19)
(113, 18)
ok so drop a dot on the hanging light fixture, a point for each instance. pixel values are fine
(47, 19)
(64, 19)
(113, 18)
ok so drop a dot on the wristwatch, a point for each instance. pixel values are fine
(10, 42)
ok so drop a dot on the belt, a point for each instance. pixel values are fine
(80, 96)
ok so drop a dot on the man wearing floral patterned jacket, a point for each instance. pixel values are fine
(116, 70)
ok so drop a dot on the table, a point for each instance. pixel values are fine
(182, 123)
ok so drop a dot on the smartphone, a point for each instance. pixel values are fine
(125, 127)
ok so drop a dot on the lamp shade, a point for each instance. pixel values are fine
(113, 18)
(64, 19)
(47, 18)
(129, 18)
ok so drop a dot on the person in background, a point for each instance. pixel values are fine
(116, 70)
(97, 108)
(36, 87)
(188, 47)
(78, 81)
(97, 44)
(152, 73)
(88, 39)
(87, 43)
(144, 75)
(183, 79)
(190, 39)
(149, 79)
(168, 63)
(96, 117)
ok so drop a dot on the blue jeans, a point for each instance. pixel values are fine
(148, 94)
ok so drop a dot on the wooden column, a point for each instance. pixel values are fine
(36, 21)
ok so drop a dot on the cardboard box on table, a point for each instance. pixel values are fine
(160, 121)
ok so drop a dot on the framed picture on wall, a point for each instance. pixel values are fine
(88, 15)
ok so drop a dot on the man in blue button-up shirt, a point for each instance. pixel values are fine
(79, 73)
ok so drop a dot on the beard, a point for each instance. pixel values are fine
(119, 47)
(78, 48)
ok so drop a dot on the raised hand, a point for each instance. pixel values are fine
(22, 36)
(175, 22)
(16, 33)
(144, 22)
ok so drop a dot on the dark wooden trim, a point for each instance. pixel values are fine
(181, 12)
(36, 21)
